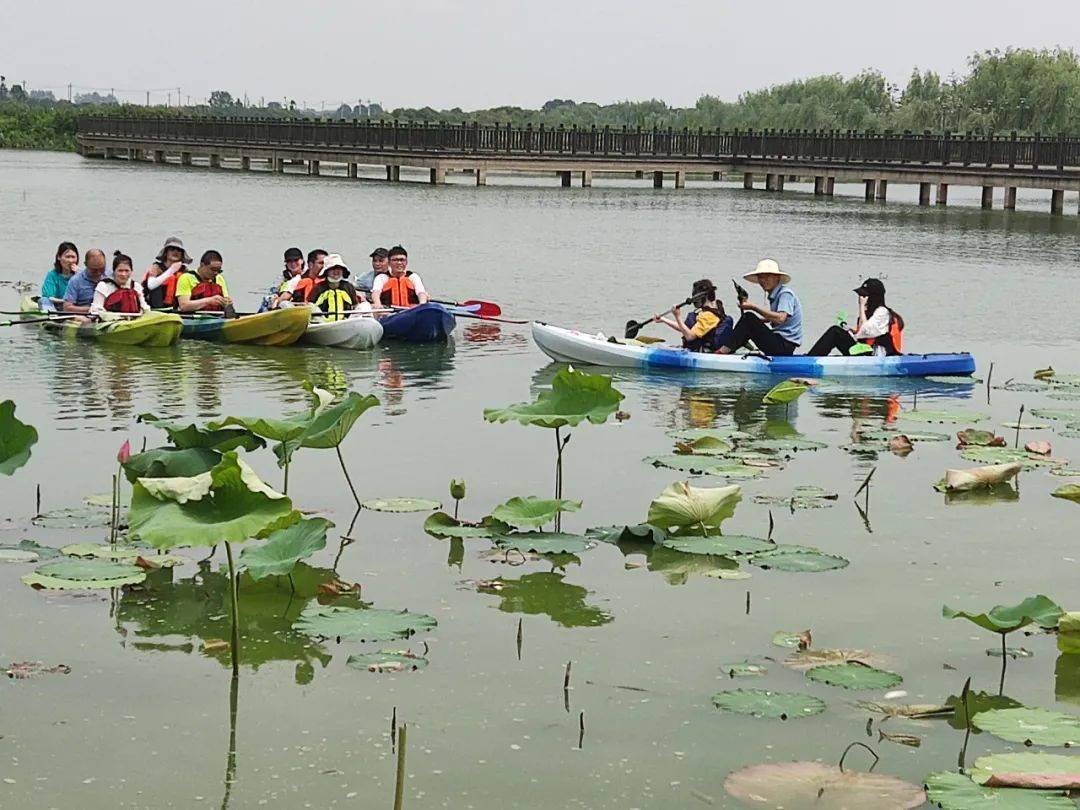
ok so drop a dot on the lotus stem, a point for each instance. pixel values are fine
(457, 502)
(1004, 662)
(581, 730)
(399, 784)
(962, 759)
(393, 729)
(519, 636)
(873, 753)
(112, 514)
(37, 502)
(566, 676)
(748, 603)
(989, 375)
(285, 488)
(230, 761)
(234, 647)
(1019, 419)
(341, 461)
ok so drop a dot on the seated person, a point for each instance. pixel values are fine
(204, 288)
(159, 280)
(380, 266)
(80, 289)
(334, 295)
(120, 293)
(402, 288)
(65, 265)
(776, 329)
(707, 327)
(877, 326)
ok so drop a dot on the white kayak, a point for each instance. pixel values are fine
(568, 346)
(357, 332)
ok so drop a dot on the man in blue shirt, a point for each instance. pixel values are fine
(80, 289)
(776, 329)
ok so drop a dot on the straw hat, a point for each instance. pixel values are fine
(767, 267)
(174, 242)
(331, 261)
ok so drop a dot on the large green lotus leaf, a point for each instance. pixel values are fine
(805, 785)
(285, 548)
(1055, 413)
(942, 416)
(329, 424)
(764, 703)
(361, 624)
(705, 446)
(1028, 769)
(804, 659)
(881, 435)
(853, 675)
(188, 435)
(532, 512)
(171, 462)
(1068, 636)
(743, 669)
(574, 397)
(101, 551)
(681, 504)
(1070, 492)
(1006, 455)
(780, 444)
(543, 542)
(785, 392)
(16, 439)
(83, 574)
(1040, 609)
(386, 661)
(977, 438)
(443, 525)
(638, 533)
(544, 593)
(797, 559)
(1030, 726)
(693, 434)
(227, 504)
(722, 545)
(806, 496)
(977, 702)
(954, 791)
(704, 465)
(26, 551)
(76, 517)
(401, 505)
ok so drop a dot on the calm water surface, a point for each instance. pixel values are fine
(143, 719)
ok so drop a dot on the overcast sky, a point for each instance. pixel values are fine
(481, 53)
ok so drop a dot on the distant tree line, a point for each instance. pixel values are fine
(1017, 89)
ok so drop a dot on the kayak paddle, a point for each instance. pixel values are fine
(633, 327)
(488, 308)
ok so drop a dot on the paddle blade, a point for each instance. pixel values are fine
(632, 329)
(487, 308)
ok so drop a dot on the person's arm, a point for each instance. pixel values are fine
(50, 286)
(145, 307)
(418, 287)
(69, 301)
(376, 288)
(769, 316)
(214, 302)
(156, 278)
(97, 306)
(875, 326)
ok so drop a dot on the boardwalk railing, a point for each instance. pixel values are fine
(1046, 153)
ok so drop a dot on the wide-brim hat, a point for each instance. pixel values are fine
(174, 242)
(767, 267)
(331, 261)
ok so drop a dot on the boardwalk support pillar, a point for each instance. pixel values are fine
(717, 176)
(159, 156)
(869, 188)
(245, 163)
(819, 186)
(313, 168)
(215, 161)
(657, 179)
(481, 175)
(185, 158)
(830, 186)
(770, 182)
(437, 176)
(943, 194)
(680, 179)
(393, 173)
(1057, 201)
(565, 179)
(586, 178)
(924, 193)
(1010, 198)
(354, 171)
(987, 197)
(882, 190)
(748, 180)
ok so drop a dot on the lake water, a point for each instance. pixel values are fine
(143, 720)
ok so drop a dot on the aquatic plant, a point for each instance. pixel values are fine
(765, 703)
(16, 439)
(285, 548)
(532, 512)
(400, 505)
(815, 784)
(681, 505)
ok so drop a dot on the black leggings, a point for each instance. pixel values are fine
(751, 328)
(835, 337)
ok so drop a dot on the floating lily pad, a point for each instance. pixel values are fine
(954, 791)
(641, 533)
(1027, 769)
(1064, 379)
(781, 444)
(152, 562)
(26, 551)
(1006, 618)
(704, 465)
(75, 574)
(1024, 426)
(783, 638)
(705, 446)
(721, 545)
(801, 497)
(942, 416)
(764, 703)
(386, 661)
(361, 624)
(971, 437)
(1070, 492)
(743, 669)
(443, 525)
(1006, 455)
(401, 505)
(78, 517)
(16, 439)
(1018, 386)
(693, 434)
(1030, 726)
(726, 573)
(803, 660)
(1064, 394)
(285, 548)
(1057, 414)
(532, 512)
(977, 702)
(543, 542)
(573, 398)
(797, 559)
(820, 786)
(101, 551)
(102, 500)
(854, 676)
(882, 435)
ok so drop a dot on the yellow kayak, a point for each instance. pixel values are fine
(149, 329)
(278, 327)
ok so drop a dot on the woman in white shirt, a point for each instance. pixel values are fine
(877, 326)
(120, 293)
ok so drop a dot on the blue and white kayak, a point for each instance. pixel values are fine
(568, 346)
(425, 323)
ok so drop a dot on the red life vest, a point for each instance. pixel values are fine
(122, 299)
(165, 295)
(893, 340)
(399, 292)
(204, 289)
(303, 289)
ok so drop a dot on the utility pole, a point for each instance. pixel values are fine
(147, 98)
(69, 92)
(168, 100)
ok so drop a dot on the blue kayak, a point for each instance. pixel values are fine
(426, 323)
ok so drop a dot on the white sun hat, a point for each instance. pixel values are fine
(767, 267)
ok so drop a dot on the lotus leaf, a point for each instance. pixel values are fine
(677, 567)
(854, 675)
(764, 703)
(954, 791)
(743, 669)
(1006, 618)
(704, 465)
(781, 444)
(1030, 726)
(785, 392)
(83, 574)
(386, 661)
(170, 462)
(681, 504)
(401, 505)
(705, 446)
(797, 559)
(329, 424)
(799, 641)
(978, 478)
(285, 548)
(979, 438)
(443, 525)
(1071, 432)
(1023, 387)
(802, 660)
(16, 439)
(1065, 472)
(1027, 769)
(544, 593)
(543, 542)
(820, 786)
(721, 545)
(187, 435)
(882, 435)
(1070, 492)
(154, 561)
(286, 429)
(641, 532)
(801, 497)
(1068, 637)
(1064, 379)
(693, 434)
(26, 551)
(1006, 455)
(1058, 414)
(1064, 395)
(574, 397)
(227, 504)
(361, 624)
(977, 702)
(942, 416)
(727, 573)
(532, 512)
(104, 552)
(73, 518)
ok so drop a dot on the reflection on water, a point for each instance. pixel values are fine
(545, 593)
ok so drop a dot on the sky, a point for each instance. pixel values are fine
(479, 53)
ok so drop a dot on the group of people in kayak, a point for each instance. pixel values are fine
(776, 328)
(174, 281)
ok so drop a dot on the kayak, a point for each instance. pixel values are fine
(278, 327)
(568, 346)
(425, 323)
(149, 329)
(357, 332)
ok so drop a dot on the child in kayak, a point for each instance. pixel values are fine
(56, 280)
(877, 327)
(707, 327)
(119, 294)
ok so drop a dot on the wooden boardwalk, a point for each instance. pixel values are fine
(771, 157)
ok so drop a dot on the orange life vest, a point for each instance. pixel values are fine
(122, 299)
(895, 335)
(165, 295)
(399, 292)
(303, 289)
